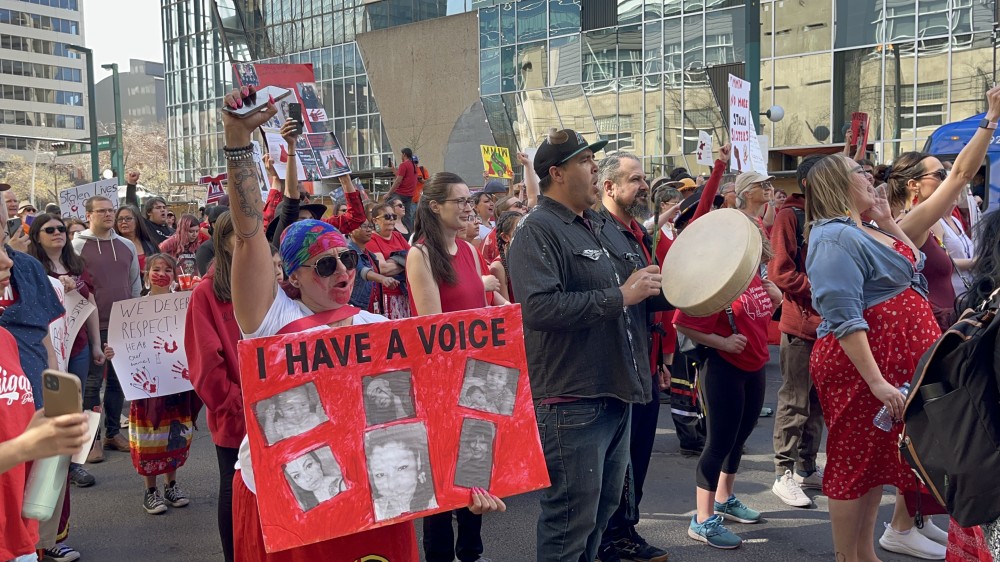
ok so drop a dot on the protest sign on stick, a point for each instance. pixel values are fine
(395, 420)
(704, 152)
(147, 335)
(72, 199)
(496, 161)
(741, 124)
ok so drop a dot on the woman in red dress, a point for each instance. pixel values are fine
(876, 324)
(445, 275)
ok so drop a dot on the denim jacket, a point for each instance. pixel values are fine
(581, 341)
(851, 272)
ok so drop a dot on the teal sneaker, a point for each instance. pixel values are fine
(734, 510)
(713, 533)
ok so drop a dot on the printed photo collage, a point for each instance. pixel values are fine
(396, 449)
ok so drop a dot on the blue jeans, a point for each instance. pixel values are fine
(79, 365)
(586, 445)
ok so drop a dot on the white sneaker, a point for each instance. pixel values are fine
(934, 532)
(786, 488)
(912, 544)
(812, 482)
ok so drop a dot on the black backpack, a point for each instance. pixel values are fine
(951, 436)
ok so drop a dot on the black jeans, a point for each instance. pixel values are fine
(227, 468)
(732, 399)
(439, 537)
(114, 398)
(644, 419)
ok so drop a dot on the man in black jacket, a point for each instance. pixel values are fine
(582, 293)
(154, 210)
(625, 202)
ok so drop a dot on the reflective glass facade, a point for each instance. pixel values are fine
(640, 79)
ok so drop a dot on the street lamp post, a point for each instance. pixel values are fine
(118, 153)
(95, 164)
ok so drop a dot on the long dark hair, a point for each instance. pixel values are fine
(985, 271)
(427, 226)
(140, 227)
(73, 262)
(221, 280)
(505, 225)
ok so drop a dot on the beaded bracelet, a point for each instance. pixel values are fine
(239, 156)
(247, 148)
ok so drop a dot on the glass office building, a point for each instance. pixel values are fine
(633, 71)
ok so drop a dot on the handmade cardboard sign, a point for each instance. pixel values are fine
(359, 427)
(496, 161)
(147, 335)
(741, 124)
(72, 200)
(64, 329)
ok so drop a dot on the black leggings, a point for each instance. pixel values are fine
(732, 399)
(227, 468)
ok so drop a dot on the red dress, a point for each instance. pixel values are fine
(860, 456)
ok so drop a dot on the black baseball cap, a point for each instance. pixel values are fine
(559, 147)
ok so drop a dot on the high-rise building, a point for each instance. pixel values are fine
(632, 71)
(42, 81)
(143, 96)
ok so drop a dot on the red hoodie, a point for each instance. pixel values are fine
(787, 270)
(210, 338)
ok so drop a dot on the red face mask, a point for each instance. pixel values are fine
(160, 279)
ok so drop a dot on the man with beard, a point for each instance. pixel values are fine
(585, 333)
(625, 201)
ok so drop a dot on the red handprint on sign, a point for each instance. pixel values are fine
(169, 347)
(144, 382)
(182, 370)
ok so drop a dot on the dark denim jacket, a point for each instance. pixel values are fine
(581, 341)
(851, 272)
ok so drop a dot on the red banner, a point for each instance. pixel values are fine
(359, 427)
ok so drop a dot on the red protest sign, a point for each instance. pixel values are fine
(359, 427)
(216, 187)
(859, 129)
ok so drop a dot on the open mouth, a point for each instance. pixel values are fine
(341, 284)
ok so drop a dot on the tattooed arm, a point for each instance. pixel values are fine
(253, 293)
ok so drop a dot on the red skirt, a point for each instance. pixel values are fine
(859, 455)
(393, 543)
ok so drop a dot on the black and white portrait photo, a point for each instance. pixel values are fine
(489, 387)
(399, 471)
(388, 397)
(475, 454)
(315, 477)
(290, 413)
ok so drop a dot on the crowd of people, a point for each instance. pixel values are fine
(861, 267)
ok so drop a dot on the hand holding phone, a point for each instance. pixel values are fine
(295, 113)
(257, 101)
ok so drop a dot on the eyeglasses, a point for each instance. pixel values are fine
(368, 226)
(398, 205)
(941, 174)
(54, 229)
(327, 265)
(388, 217)
(103, 211)
(461, 201)
(861, 171)
(126, 219)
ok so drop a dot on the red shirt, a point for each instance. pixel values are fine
(17, 405)
(210, 338)
(468, 292)
(408, 185)
(379, 245)
(752, 313)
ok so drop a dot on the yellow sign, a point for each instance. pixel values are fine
(496, 161)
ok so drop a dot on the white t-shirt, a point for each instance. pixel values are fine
(284, 311)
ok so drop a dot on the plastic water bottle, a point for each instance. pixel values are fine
(883, 420)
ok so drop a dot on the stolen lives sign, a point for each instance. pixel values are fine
(369, 425)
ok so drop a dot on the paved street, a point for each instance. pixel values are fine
(109, 523)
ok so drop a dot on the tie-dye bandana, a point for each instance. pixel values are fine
(305, 239)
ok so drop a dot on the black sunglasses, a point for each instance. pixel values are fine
(941, 174)
(327, 265)
(54, 229)
(389, 217)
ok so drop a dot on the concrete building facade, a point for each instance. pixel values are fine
(42, 81)
(143, 94)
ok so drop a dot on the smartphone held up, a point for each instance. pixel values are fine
(258, 101)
